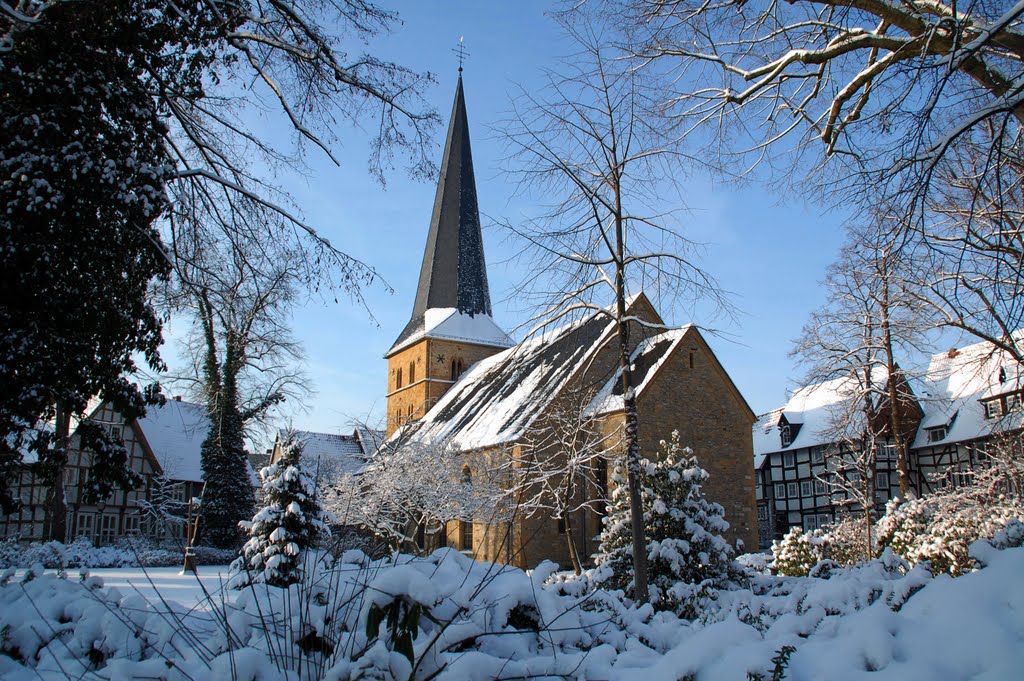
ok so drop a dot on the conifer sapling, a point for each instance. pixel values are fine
(683, 530)
(291, 522)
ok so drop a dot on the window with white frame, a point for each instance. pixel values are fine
(818, 454)
(824, 520)
(937, 434)
(993, 409)
(85, 525)
(819, 487)
(1013, 402)
(810, 523)
(792, 490)
(780, 490)
(881, 481)
(787, 459)
(762, 512)
(886, 451)
(805, 488)
(108, 528)
(131, 524)
(785, 435)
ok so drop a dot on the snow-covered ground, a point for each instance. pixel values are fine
(153, 584)
(474, 621)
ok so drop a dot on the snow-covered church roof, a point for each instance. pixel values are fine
(500, 397)
(450, 324)
(648, 357)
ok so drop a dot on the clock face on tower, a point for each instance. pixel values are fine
(440, 358)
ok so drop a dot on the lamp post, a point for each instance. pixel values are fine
(191, 529)
(101, 506)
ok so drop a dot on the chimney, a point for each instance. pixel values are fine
(177, 398)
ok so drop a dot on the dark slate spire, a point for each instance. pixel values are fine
(453, 272)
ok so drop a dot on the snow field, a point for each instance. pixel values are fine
(470, 620)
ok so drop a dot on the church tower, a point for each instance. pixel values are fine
(451, 325)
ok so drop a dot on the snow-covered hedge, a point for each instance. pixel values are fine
(940, 528)
(447, 617)
(81, 553)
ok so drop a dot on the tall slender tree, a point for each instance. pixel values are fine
(593, 140)
(870, 320)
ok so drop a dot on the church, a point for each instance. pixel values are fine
(454, 376)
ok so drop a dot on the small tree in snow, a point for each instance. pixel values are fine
(685, 548)
(290, 522)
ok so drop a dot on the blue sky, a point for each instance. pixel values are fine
(769, 253)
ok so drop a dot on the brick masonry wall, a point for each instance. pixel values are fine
(711, 420)
(431, 360)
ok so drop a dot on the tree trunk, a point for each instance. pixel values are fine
(574, 555)
(56, 506)
(636, 511)
(895, 406)
(631, 425)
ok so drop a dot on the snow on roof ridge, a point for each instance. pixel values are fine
(605, 401)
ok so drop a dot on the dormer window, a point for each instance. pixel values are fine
(786, 434)
(993, 408)
(937, 434)
(1013, 402)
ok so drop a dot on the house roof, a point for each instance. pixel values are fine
(175, 433)
(453, 275)
(342, 453)
(950, 394)
(814, 408)
(955, 385)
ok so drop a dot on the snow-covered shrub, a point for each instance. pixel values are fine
(82, 553)
(797, 552)
(941, 527)
(290, 522)
(758, 563)
(845, 542)
(686, 552)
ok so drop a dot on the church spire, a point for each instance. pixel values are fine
(453, 277)
(453, 273)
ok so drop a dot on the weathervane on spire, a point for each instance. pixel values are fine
(461, 52)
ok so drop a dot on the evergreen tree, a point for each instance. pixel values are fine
(291, 522)
(83, 169)
(685, 548)
(228, 492)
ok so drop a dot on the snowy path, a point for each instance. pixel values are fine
(167, 583)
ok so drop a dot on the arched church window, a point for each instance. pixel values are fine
(398, 379)
(458, 368)
(412, 372)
